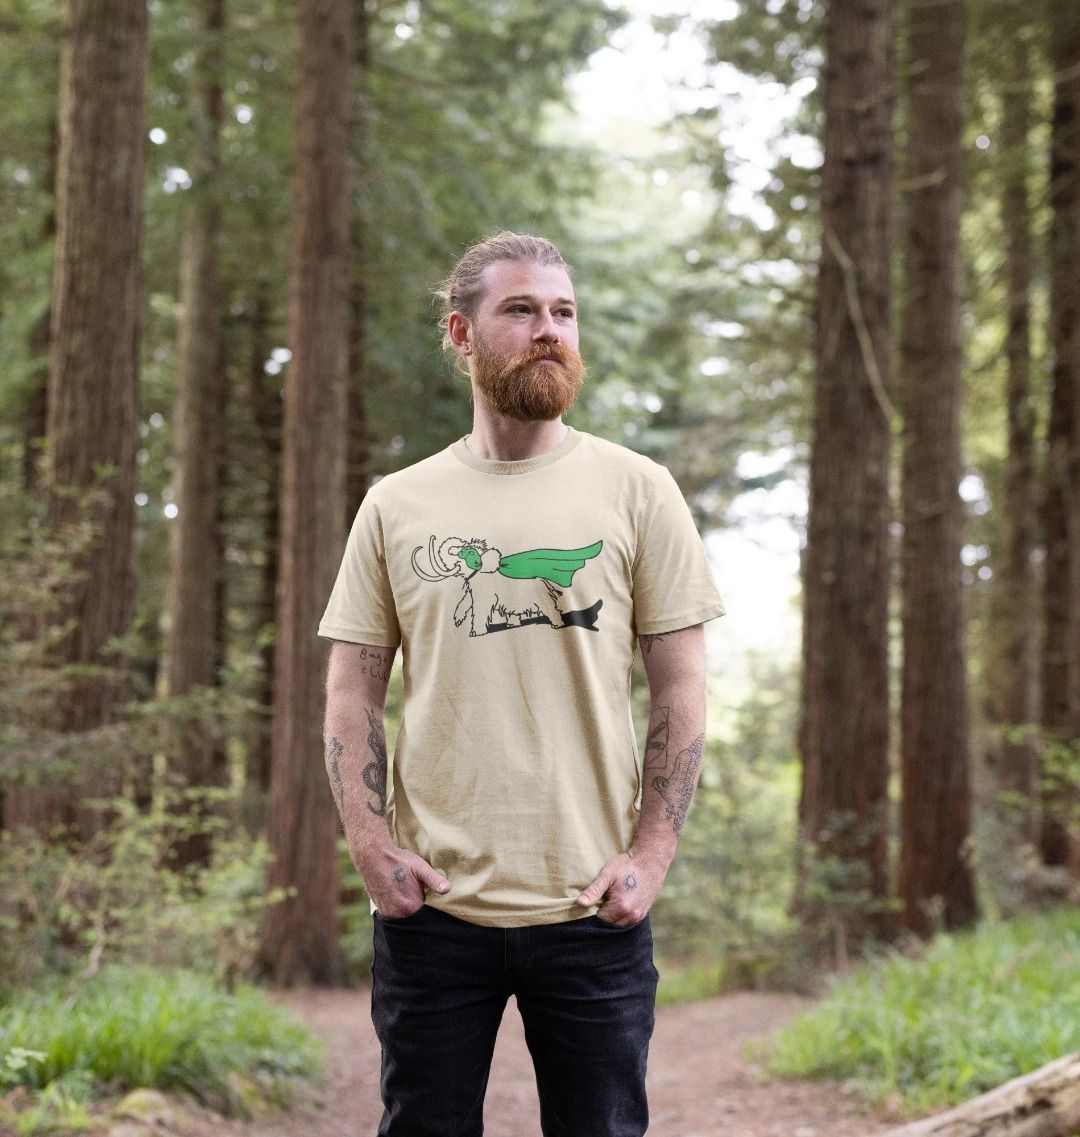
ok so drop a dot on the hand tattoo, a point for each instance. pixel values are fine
(630, 882)
(401, 876)
(375, 772)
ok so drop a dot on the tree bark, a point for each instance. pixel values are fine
(94, 365)
(300, 937)
(266, 412)
(1061, 516)
(1044, 1103)
(1012, 680)
(936, 884)
(192, 646)
(844, 732)
(358, 463)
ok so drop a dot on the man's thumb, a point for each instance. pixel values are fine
(595, 890)
(434, 880)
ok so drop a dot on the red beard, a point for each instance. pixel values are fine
(524, 386)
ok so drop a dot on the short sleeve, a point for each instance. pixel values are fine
(361, 608)
(673, 581)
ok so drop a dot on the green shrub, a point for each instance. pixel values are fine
(116, 898)
(976, 1010)
(131, 1028)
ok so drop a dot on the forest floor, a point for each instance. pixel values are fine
(700, 1085)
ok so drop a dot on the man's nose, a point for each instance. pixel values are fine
(546, 330)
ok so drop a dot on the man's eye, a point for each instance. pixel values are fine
(567, 312)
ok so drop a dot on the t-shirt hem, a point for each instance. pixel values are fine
(522, 919)
(370, 636)
(678, 622)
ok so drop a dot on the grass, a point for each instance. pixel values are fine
(974, 1011)
(129, 1028)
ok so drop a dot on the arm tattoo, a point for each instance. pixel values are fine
(678, 789)
(648, 641)
(375, 772)
(333, 753)
(656, 742)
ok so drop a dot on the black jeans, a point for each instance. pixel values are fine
(586, 992)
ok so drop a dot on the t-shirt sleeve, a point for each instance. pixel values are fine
(361, 607)
(673, 581)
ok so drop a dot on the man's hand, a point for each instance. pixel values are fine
(397, 881)
(626, 887)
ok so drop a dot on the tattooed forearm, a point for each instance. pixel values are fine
(333, 753)
(678, 789)
(375, 772)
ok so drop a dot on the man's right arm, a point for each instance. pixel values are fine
(356, 761)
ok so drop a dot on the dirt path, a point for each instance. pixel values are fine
(699, 1084)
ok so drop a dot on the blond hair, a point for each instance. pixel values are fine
(462, 289)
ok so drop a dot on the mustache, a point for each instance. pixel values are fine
(557, 352)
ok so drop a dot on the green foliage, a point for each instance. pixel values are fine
(974, 1011)
(171, 1030)
(118, 897)
(725, 899)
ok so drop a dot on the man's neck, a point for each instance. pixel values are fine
(503, 439)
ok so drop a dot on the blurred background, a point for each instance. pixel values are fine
(825, 254)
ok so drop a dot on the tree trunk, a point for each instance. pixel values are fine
(1061, 648)
(844, 733)
(35, 423)
(300, 941)
(266, 413)
(936, 882)
(1012, 688)
(193, 626)
(94, 365)
(358, 462)
(1044, 1103)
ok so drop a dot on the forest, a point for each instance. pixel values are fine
(825, 253)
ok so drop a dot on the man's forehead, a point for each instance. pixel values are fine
(505, 280)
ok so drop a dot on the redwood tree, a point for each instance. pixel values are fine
(1061, 648)
(94, 367)
(1012, 670)
(936, 881)
(300, 937)
(191, 645)
(844, 733)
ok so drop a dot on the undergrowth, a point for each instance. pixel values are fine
(974, 1011)
(131, 1028)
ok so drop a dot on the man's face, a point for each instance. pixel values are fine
(524, 340)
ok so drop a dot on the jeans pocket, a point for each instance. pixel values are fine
(620, 927)
(400, 919)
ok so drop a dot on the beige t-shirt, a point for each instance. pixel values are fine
(517, 591)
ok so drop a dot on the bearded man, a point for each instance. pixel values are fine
(522, 841)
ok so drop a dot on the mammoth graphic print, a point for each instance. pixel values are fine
(500, 593)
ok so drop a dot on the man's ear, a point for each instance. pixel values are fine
(460, 333)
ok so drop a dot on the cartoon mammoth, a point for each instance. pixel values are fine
(499, 593)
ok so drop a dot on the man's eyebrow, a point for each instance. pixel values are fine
(532, 299)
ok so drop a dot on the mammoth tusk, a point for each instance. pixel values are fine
(419, 571)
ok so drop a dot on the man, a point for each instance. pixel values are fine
(522, 845)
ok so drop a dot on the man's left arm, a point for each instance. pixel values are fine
(628, 884)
